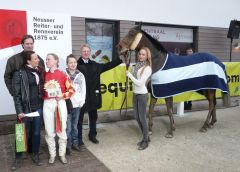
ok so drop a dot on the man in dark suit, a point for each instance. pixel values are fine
(92, 71)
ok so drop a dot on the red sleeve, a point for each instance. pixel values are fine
(69, 89)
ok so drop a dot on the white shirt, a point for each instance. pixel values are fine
(79, 84)
(85, 60)
(140, 81)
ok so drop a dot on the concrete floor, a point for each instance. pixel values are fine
(189, 151)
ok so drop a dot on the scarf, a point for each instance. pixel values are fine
(35, 71)
(39, 75)
(72, 76)
(137, 67)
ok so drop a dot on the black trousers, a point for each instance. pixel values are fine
(93, 116)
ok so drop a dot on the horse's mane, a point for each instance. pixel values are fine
(156, 43)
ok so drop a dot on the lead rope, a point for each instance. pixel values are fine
(126, 89)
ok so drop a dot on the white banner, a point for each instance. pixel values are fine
(52, 33)
(170, 34)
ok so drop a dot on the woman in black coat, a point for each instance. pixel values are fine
(27, 86)
(92, 71)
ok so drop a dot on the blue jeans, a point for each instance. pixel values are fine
(33, 128)
(72, 130)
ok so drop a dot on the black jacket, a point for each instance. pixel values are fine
(27, 95)
(91, 72)
(14, 63)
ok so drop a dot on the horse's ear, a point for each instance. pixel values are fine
(139, 26)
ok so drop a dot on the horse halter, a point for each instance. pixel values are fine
(127, 62)
(133, 46)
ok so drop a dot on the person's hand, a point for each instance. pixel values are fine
(128, 73)
(20, 116)
(58, 98)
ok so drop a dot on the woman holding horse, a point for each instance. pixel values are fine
(141, 73)
(173, 75)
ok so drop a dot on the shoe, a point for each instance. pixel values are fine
(51, 160)
(94, 140)
(75, 147)
(36, 160)
(68, 151)
(143, 145)
(63, 159)
(139, 143)
(16, 164)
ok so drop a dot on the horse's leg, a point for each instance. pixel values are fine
(169, 103)
(214, 116)
(150, 113)
(210, 95)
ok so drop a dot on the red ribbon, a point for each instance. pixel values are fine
(58, 121)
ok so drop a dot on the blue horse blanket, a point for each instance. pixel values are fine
(181, 74)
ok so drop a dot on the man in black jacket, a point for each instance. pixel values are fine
(15, 62)
(92, 71)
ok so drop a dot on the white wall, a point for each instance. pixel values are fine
(213, 13)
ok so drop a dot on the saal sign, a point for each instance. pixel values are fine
(170, 34)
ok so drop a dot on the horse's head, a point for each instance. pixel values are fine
(136, 39)
(130, 41)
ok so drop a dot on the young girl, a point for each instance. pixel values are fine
(58, 87)
(77, 100)
(141, 73)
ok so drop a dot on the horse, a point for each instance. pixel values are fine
(172, 75)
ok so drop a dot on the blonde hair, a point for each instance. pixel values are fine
(85, 45)
(149, 58)
(55, 56)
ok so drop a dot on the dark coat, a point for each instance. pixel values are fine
(92, 72)
(27, 96)
(14, 63)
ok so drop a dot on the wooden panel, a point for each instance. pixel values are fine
(215, 41)
(125, 26)
(78, 34)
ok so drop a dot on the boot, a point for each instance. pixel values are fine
(63, 159)
(51, 160)
(94, 140)
(16, 164)
(143, 145)
(75, 147)
(35, 159)
(139, 143)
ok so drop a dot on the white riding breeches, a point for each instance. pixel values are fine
(49, 108)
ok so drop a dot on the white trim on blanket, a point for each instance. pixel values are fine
(187, 72)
